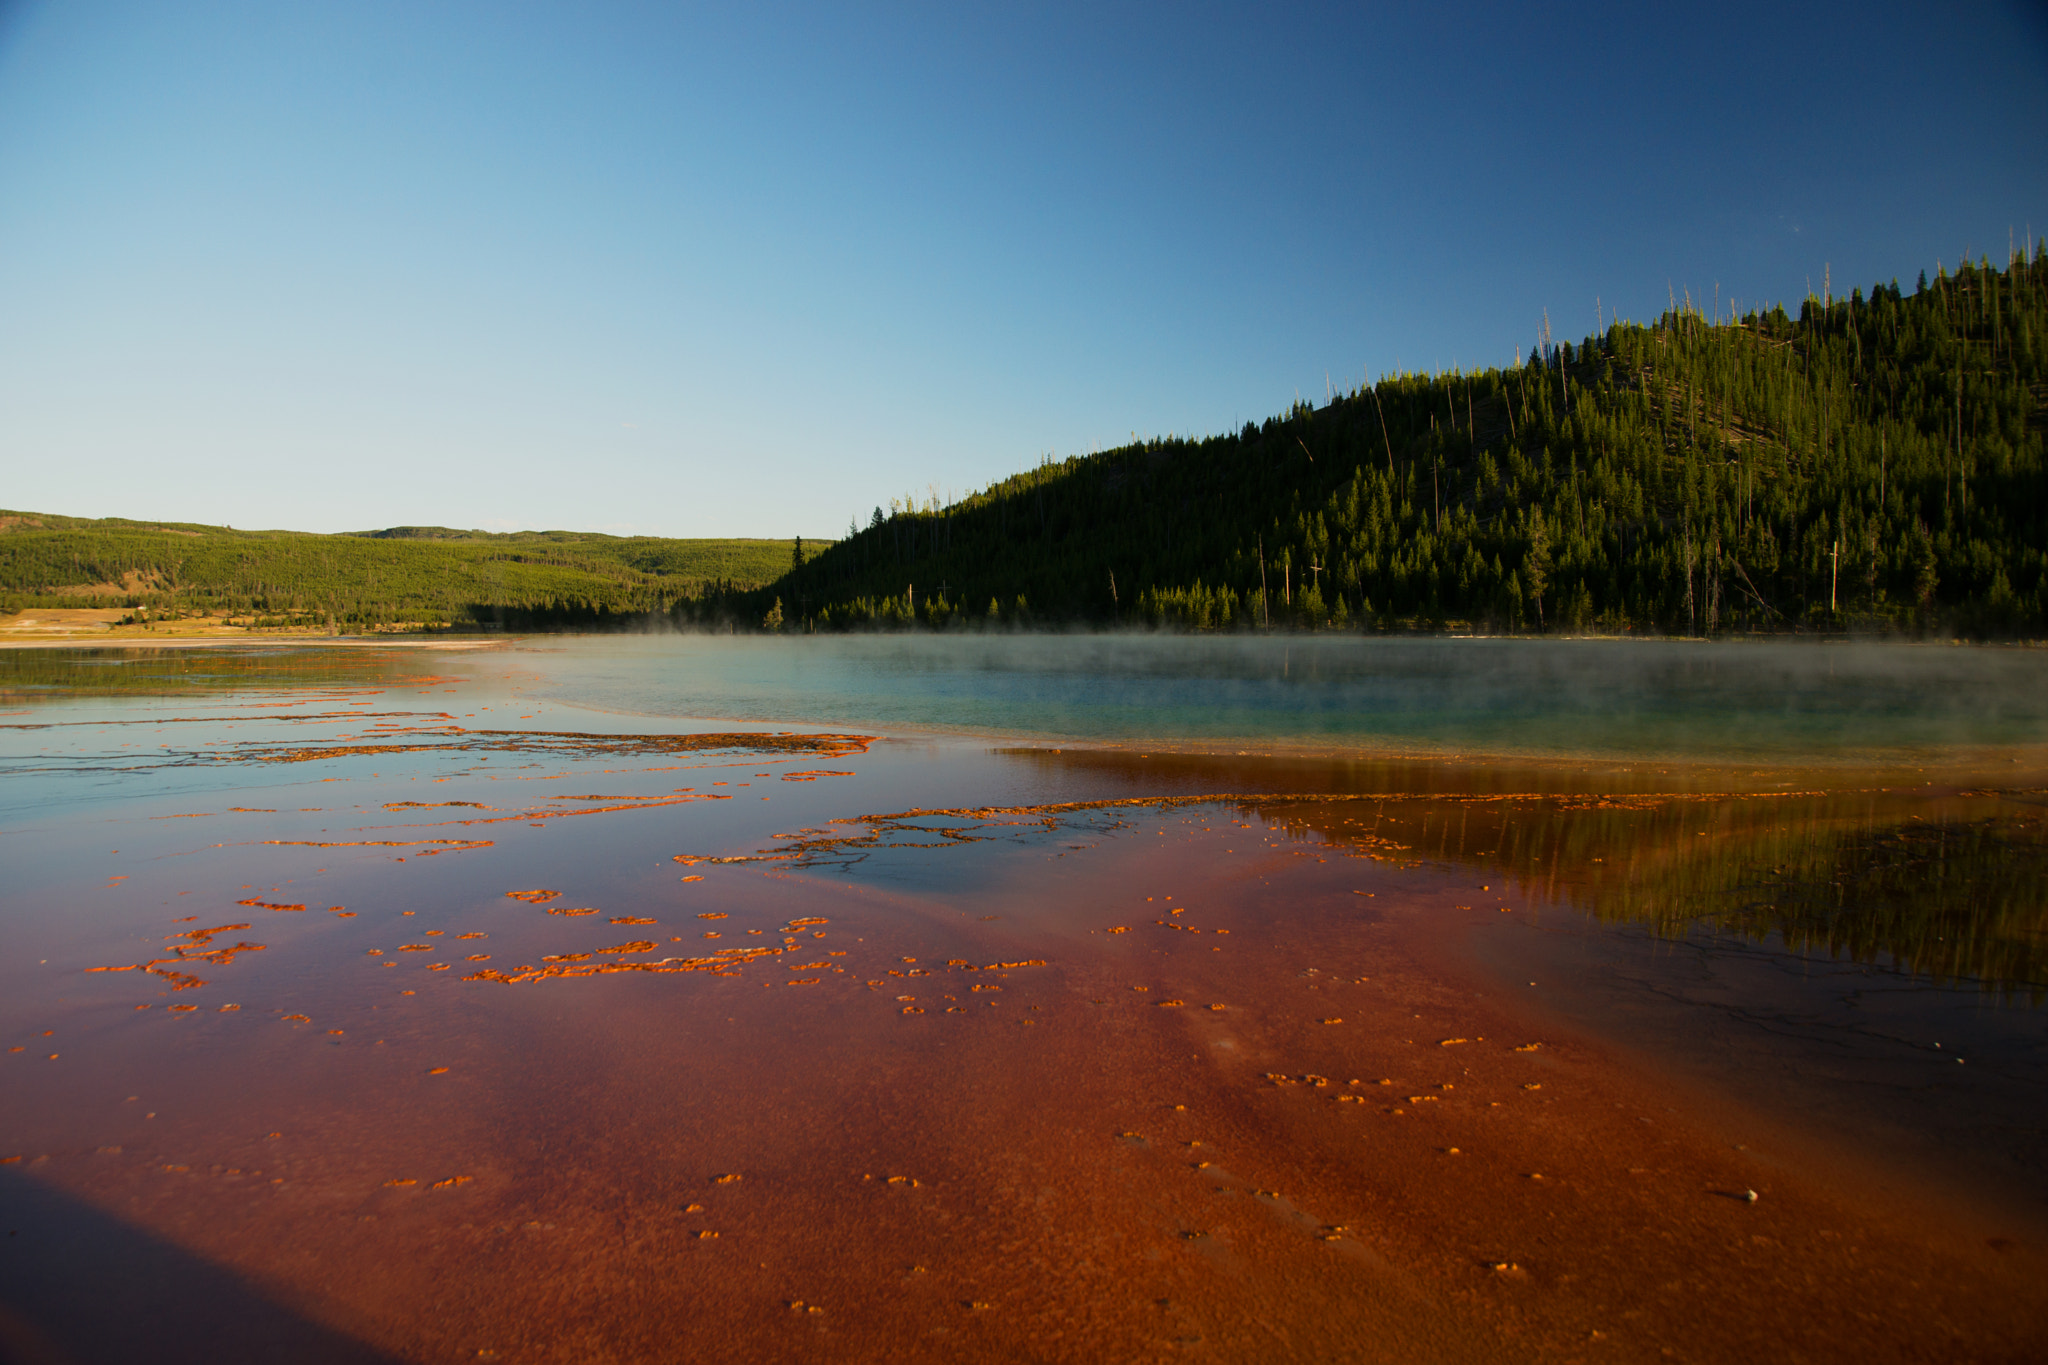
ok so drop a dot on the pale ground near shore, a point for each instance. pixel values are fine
(70, 627)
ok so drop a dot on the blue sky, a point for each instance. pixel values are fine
(753, 270)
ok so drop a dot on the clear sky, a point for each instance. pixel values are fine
(754, 269)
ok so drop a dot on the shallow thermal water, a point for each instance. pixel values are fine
(1572, 697)
(1022, 998)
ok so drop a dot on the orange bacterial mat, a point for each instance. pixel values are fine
(996, 1053)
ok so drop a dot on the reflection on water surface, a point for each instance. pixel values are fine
(482, 1008)
(1953, 887)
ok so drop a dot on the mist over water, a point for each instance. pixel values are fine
(1594, 698)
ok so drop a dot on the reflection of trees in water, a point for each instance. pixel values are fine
(1953, 899)
(1952, 887)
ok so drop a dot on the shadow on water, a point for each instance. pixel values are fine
(78, 1287)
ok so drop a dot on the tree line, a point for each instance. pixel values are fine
(1874, 463)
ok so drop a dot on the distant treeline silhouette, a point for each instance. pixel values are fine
(1875, 463)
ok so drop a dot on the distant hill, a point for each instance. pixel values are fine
(450, 533)
(1876, 462)
(432, 575)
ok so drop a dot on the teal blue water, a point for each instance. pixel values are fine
(1594, 699)
(1742, 702)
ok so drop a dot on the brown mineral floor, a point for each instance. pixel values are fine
(1234, 1079)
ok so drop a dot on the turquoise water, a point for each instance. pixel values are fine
(1796, 702)
(1570, 699)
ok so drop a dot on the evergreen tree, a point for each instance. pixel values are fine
(1880, 452)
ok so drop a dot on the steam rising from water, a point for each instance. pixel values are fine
(1751, 702)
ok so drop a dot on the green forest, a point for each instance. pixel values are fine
(406, 575)
(1874, 464)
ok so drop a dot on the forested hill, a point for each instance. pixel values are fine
(405, 575)
(1874, 463)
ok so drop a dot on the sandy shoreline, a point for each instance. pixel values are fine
(242, 642)
(102, 628)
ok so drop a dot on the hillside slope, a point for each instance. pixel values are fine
(429, 575)
(1877, 462)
